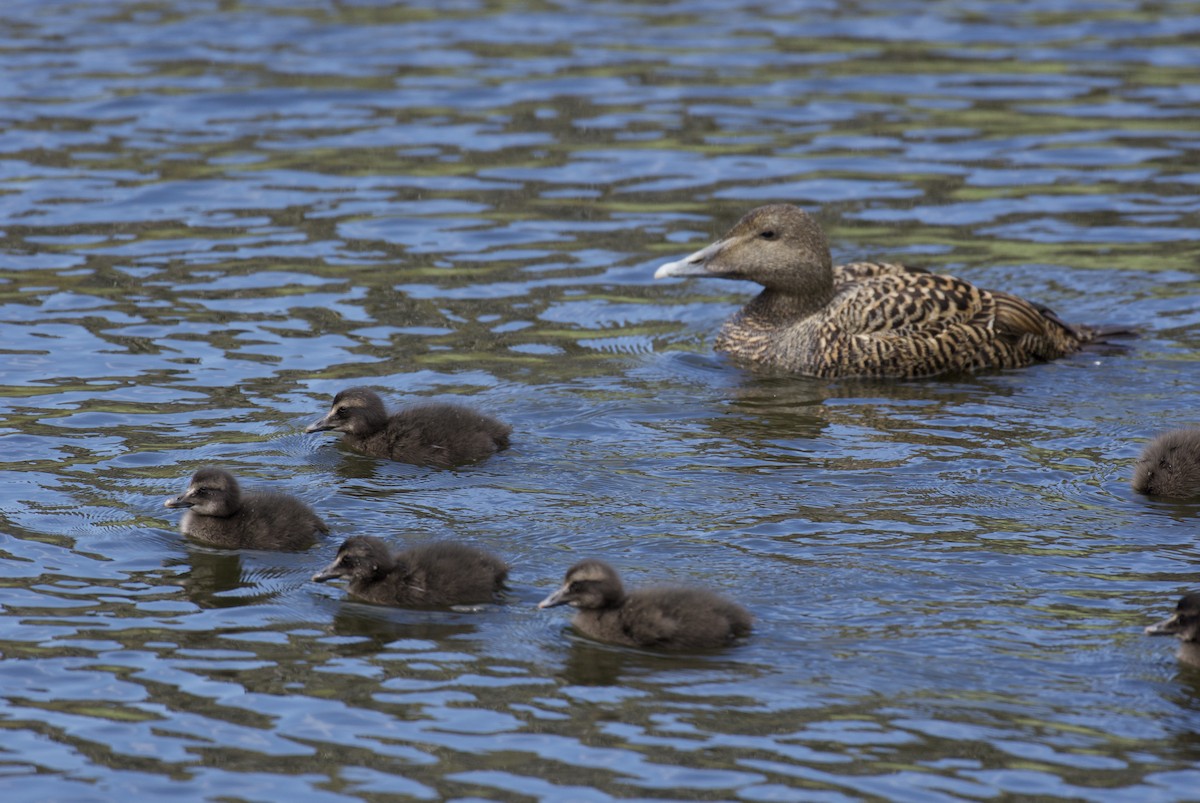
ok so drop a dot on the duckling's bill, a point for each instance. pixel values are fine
(555, 599)
(331, 572)
(1167, 627)
(323, 425)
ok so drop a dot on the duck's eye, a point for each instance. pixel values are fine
(769, 234)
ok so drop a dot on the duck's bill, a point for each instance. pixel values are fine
(692, 265)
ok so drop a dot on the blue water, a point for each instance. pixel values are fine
(214, 216)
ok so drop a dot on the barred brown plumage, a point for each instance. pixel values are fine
(866, 319)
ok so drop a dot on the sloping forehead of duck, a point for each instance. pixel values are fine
(774, 214)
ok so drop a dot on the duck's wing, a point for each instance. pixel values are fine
(904, 301)
(913, 323)
(908, 303)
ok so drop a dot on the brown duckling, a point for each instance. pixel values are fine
(865, 319)
(662, 618)
(431, 434)
(219, 513)
(1184, 625)
(1169, 466)
(436, 574)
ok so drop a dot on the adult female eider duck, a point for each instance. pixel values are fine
(432, 434)
(221, 514)
(1169, 466)
(1184, 624)
(436, 574)
(661, 618)
(864, 319)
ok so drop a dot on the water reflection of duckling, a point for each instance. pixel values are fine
(432, 434)
(437, 574)
(1169, 466)
(1184, 625)
(865, 319)
(662, 618)
(220, 514)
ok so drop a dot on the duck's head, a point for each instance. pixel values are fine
(779, 246)
(588, 584)
(359, 558)
(211, 492)
(1184, 624)
(357, 411)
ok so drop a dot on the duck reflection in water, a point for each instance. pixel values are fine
(380, 627)
(212, 575)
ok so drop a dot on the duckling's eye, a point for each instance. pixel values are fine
(769, 234)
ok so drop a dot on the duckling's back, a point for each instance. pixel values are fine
(439, 434)
(669, 619)
(437, 574)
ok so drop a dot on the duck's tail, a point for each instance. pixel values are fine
(1086, 334)
(1103, 335)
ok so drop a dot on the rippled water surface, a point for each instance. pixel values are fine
(215, 215)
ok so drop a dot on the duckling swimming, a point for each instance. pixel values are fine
(220, 514)
(865, 319)
(1184, 624)
(431, 434)
(1169, 466)
(661, 618)
(436, 574)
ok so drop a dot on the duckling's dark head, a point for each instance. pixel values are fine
(1184, 624)
(361, 557)
(211, 492)
(1169, 466)
(357, 411)
(778, 246)
(589, 584)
